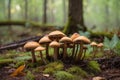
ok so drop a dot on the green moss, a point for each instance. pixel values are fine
(49, 70)
(5, 62)
(29, 76)
(62, 75)
(19, 63)
(56, 65)
(94, 67)
(77, 71)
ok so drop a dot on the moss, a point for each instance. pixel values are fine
(56, 65)
(49, 70)
(77, 71)
(94, 67)
(29, 76)
(19, 63)
(62, 75)
(5, 62)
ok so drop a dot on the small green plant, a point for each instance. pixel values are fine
(94, 67)
(29, 76)
(18, 63)
(62, 75)
(77, 71)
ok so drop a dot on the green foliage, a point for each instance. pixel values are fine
(94, 67)
(87, 34)
(62, 75)
(23, 58)
(77, 71)
(111, 44)
(29, 76)
(117, 48)
(19, 63)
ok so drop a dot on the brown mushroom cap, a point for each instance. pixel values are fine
(31, 45)
(75, 35)
(85, 47)
(100, 45)
(83, 39)
(45, 39)
(39, 48)
(56, 34)
(93, 44)
(66, 40)
(54, 44)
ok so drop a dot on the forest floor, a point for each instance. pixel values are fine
(110, 70)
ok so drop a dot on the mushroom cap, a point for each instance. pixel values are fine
(66, 40)
(54, 44)
(75, 35)
(31, 45)
(85, 47)
(56, 34)
(80, 39)
(44, 40)
(93, 44)
(100, 45)
(39, 48)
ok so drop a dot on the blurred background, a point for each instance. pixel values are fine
(99, 16)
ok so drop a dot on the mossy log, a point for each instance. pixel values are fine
(24, 23)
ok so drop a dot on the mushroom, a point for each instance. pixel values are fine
(94, 45)
(74, 36)
(55, 45)
(40, 49)
(30, 46)
(81, 40)
(100, 45)
(56, 35)
(65, 40)
(45, 40)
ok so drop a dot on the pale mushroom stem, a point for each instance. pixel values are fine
(47, 51)
(73, 51)
(76, 51)
(42, 57)
(65, 51)
(55, 54)
(84, 53)
(80, 51)
(33, 56)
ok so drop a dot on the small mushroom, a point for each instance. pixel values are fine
(74, 36)
(65, 40)
(94, 45)
(30, 46)
(100, 45)
(45, 41)
(40, 49)
(55, 45)
(81, 40)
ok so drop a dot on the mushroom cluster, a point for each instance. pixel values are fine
(58, 40)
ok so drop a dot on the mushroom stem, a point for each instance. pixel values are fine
(65, 51)
(73, 51)
(76, 51)
(42, 57)
(55, 54)
(84, 53)
(80, 51)
(33, 56)
(94, 51)
(47, 51)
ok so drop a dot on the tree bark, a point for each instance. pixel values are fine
(64, 11)
(75, 17)
(45, 11)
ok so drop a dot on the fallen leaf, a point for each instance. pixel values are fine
(18, 71)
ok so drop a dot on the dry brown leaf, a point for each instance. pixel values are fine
(18, 71)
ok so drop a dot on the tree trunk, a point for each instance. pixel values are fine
(75, 17)
(26, 9)
(9, 9)
(64, 11)
(45, 11)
